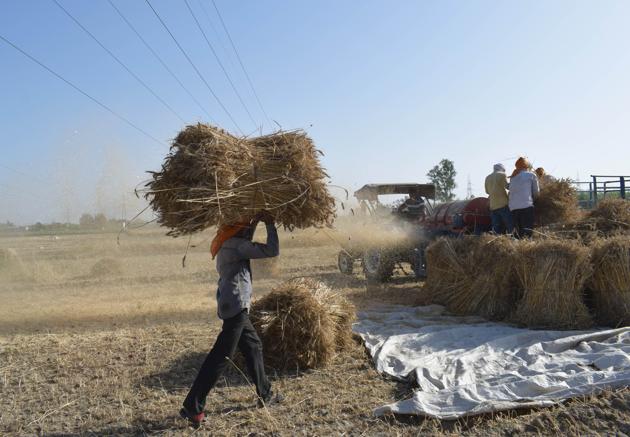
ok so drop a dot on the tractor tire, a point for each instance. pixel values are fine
(378, 265)
(345, 262)
(419, 263)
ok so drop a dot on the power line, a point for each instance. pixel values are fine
(102, 105)
(22, 173)
(166, 67)
(122, 64)
(220, 63)
(241, 62)
(195, 68)
(216, 33)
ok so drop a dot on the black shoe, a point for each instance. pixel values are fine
(271, 399)
(194, 419)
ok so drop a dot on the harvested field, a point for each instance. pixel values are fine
(115, 355)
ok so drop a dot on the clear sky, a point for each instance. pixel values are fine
(386, 89)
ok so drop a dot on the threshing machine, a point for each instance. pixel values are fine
(379, 259)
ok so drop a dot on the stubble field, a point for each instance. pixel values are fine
(100, 338)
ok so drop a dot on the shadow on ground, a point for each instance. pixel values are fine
(180, 373)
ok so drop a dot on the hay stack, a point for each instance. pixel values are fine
(610, 283)
(105, 267)
(473, 275)
(302, 323)
(210, 177)
(557, 203)
(552, 275)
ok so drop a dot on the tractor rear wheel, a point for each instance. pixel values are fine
(345, 262)
(378, 265)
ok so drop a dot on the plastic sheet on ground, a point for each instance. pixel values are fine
(465, 366)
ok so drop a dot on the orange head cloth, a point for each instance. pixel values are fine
(224, 233)
(521, 164)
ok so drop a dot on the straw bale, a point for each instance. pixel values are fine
(552, 274)
(610, 282)
(448, 266)
(557, 203)
(473, 275)
(302, 323)
(210, 177)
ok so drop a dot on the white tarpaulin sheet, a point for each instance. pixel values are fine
(465, 366)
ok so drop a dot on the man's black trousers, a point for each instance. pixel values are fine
(523, 221)
(237, 332)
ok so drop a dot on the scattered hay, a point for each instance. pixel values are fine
(265, 268)
(211, 177)
(557, 203)
(611, 215)
(302, 323)
(610, 283)
(106, 267)
(473, 275)
(552, 274)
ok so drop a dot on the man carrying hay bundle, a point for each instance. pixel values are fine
(233, 248)
(524, 190)
(212, 178)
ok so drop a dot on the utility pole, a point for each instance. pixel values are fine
(469, 193)
(124, 211)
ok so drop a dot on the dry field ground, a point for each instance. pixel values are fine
(104, 339)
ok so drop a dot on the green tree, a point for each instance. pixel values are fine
(100, 220)
(86, 220)
(443, 176)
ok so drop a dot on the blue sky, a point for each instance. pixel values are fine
(386, 89)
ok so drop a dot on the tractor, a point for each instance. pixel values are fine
(412, 225)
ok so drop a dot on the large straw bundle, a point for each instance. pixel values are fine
(211, 177)
(447, 272)
(302, 323)
(557, 202)
(473, 275)
(552, 274)
(610, 283)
